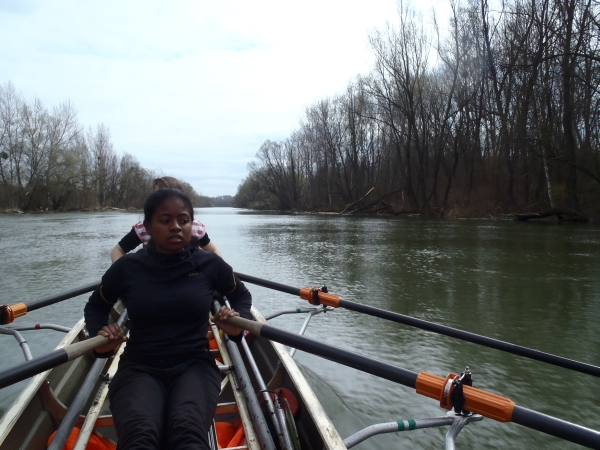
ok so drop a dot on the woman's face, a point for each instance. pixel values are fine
(171, 226)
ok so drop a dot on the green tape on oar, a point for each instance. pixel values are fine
(404, 425)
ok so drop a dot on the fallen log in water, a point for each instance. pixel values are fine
(370, 207)
(560, 214)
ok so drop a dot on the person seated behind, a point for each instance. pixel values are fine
(138, 234)
(166, 388)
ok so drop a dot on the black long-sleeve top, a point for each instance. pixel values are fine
(168, 299)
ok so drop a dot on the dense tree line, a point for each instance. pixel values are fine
(48, 161)
(500, 114)
(221, 201)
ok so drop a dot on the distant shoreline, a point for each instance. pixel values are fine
(48, 211)
(543, 218)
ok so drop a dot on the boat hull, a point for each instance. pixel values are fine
(38, 410)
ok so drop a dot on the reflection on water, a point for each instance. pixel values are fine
(535, 285)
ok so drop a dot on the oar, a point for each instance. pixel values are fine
(8, 313)
(83, 394)
(55, 358)
(318, 297)
(476, 400)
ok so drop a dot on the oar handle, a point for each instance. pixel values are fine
(251, 325)
(55, 358)
(78, 349)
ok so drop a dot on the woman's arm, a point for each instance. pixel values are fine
(116, 253)
(211, 247)
(239, 297)
(130, 241)
(98, 307)
(204, 242)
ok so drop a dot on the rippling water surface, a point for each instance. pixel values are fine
(532, 284)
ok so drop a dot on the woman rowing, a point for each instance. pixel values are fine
(138, 235)
(165, 392)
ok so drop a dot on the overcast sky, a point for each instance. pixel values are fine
(190, 88)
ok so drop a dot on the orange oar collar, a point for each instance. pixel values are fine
(316, 296)
(8, 313)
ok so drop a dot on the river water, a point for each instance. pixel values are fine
(532, 284)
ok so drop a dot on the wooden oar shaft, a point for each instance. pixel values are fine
(8, 313)
(57, 357)
(335, 301)
(476, 400)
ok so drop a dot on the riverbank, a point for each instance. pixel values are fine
(47, 211)
(106, 208)
(558, 216)
(377, 205)
(553, 216)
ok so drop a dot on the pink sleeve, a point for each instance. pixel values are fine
(198, 229)
(140, 230)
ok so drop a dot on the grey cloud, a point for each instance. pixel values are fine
(23, 7)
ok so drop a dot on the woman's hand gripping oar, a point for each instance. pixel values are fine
(115, 335)
(101, 343)
(221, 318)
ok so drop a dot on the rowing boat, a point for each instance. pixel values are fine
(44, 403)
(264, 395)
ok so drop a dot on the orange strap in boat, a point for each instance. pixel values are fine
(225, 432)
(10, 312)
(95, 442)
(481, 402)
(238, 438)
(228, 435)
(316, 296)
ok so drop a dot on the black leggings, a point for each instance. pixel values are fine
(164, 408)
